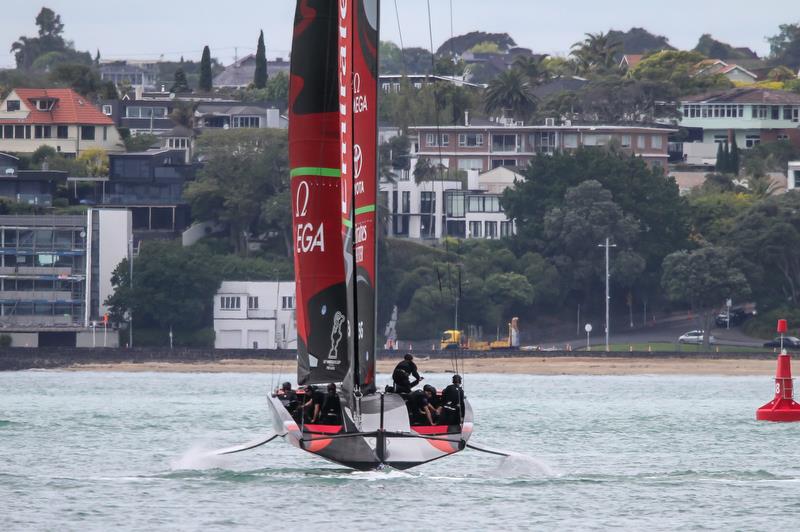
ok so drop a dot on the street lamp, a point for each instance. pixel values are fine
(608, 246)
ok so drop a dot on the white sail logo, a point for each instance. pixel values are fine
(309, 237)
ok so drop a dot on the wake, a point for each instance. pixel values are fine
(200, 457)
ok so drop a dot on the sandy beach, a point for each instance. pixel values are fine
(515, 365)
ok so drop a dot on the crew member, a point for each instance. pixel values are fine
(287, 397)
(401, 373)
(330, 412)
(313, 403)
(453, 405)
(419, 408)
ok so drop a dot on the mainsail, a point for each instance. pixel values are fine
(315, 161)
(358, 81)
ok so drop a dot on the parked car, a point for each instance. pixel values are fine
(788, 341)
(695, 337)
(737, 316)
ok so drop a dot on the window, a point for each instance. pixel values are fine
(427, 202)
(287, 302)
(625, 140)
(752, 140)
(246, 121)
(470, 164)
(12, 105)
(570, 140)
(470, 140)
(45, 105)
(496, 163)
(37, 132)
(787, 113)
(720, 139)
(543, 141)
(775, 112)
(48, 131)
(455, 204)
(760, 111)
(655, 142)
(443, 139)
(252, 303)
(406, 202)
(456, 228)
(504, 143)
(640, 142)
(783, 136)
(87, 132)
(595, 140)
(229, 303)
(505, 229)
(489, 203)
(19, 132)
(108, 110)
(491, 229)
(8, 132)
(475, 229)
(62, 132)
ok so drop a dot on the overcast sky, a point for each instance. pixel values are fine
(149, 29)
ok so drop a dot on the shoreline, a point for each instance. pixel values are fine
(561, 365)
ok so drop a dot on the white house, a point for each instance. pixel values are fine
(255, 315)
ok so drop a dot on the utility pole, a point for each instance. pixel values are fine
(608, 246)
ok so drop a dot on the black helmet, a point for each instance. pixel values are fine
(408, 356)
(286, 385)
(456, 379)
(429, 388)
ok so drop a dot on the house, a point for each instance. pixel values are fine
(141, 116)
(237, 115)
(142, 74)
(558, 85)
(391, 83)
(793, 175)
(55, 276)
(629, 61)
(734, 72)
(487, 144)
(750, 115)
(33, 187)
(240, 74)
(60, 118)
(473, 211)
(255, 315)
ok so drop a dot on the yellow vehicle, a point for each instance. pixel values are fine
(455, 339)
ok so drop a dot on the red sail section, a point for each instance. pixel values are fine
(365, 182)
(314, 157)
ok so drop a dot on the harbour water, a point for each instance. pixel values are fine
(100, 451)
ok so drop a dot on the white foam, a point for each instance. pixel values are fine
(200, 457)
(520, 465)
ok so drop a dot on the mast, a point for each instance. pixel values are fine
(315, 162)
(358, 87)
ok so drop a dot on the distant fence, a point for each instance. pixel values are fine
(12, 359)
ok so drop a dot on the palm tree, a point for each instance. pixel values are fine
(531, 66)
(510, 93)
(596, 53)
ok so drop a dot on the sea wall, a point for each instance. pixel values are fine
(13, 359)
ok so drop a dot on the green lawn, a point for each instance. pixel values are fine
(684, 348)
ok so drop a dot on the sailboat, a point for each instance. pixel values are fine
(333, 157)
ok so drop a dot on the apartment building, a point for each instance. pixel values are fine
(255, 315)
(55, 276)
(485, 145)
(60, 118)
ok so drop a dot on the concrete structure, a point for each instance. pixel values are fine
(241, 73)
(750, 115)
(486, 145)
(255, 315)
(238, 115)
(55, 276)
(59, 118)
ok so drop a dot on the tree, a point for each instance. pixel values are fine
(243, 169)
(769, 157)
(95, 160)
(81, 78)
(781, 73)
(733, 158)
(714, 49)
(180, 84)
(205, 83)
(722, 160)
(785, 46)
(183, 115)
(703, 278)
(461, 43)
(597, 53)
(50, 25)
(260, 77)
(27, 50)
(677, 68)
(510, 93)
(588, 216)
(639, 41)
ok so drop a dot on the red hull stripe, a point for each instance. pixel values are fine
(430, 429)
(327, 429)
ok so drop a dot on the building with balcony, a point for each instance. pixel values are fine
(140, 74)
(55, 276)
(255, 315)
(485, 145)
(32, 187)
(750, 115)
(59, 118)
(237, 115)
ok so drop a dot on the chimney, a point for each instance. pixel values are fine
(466, 117)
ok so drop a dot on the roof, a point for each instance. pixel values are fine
(499, 128)
(753, 95)
(631, 59)
(731, 68)
(558, 85)
(70, 108)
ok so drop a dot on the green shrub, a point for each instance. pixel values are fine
(5, 340)
(764, 325)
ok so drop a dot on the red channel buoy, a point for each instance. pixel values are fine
(782, 407)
